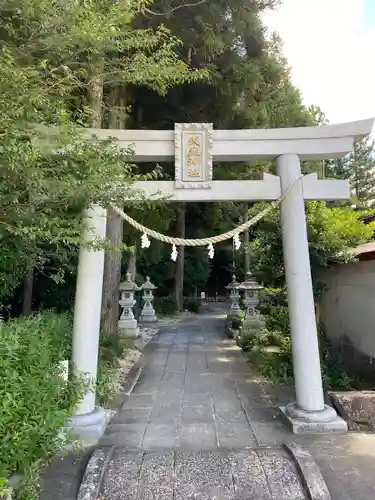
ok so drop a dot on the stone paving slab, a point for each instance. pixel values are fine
(347, 464)
(215, 475)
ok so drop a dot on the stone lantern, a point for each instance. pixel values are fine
(251, 289)
(127, 324)
(148, 314)
(234, 297)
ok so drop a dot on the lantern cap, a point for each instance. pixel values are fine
(128, 285)
(250, 283)
(147, 285)
(234, 284)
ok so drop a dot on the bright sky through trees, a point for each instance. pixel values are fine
(330, 48)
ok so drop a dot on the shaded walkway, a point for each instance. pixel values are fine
(186, 431)
(200, 425)
(189, 395)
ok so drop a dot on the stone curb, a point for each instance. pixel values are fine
(94, 473)
(131, 379)
(313, 481)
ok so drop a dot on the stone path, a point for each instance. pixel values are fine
(150, 450)
(189, 429)
(187, 397)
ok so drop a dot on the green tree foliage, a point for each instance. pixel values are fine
(228, 40)
(332, 233)
(52, 54)
(359, 169)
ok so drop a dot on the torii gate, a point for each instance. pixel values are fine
(193, 148)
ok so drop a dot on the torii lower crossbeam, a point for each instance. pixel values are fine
(263, 190)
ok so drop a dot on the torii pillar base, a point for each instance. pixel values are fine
(317, 422)
(90, 427)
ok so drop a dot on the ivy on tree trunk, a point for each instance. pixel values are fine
(114, 233)
(180, 263)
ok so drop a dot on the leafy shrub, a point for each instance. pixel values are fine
(34, 401)
(271, 352)
(333, 375)
(236, 323)
(278, 319)
(192, 305)
(276, 365)
(107, 381)
(4, 490)
(165, 305)
(111, 348)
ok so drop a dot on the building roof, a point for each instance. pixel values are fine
(365, 249)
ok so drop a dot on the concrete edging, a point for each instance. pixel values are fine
(313, 481)
(94, 473)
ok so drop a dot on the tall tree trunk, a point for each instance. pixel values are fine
(132, 264)
(112, 273)
(95, 89)
(180, 264)
(114, 235)
(27, 298)
(28, 285)
(356, 177)
(246, 242)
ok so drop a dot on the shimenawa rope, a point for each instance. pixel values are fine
(204, 241)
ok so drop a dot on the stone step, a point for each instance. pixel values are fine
(257, 474)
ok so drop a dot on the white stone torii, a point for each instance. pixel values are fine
(194, 147)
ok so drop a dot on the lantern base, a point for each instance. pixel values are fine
(129, 333)
(234, 313)
(152, 318)
(253, 325)
(127, 324)
(128, 328)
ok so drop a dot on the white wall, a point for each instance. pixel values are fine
(348, 312)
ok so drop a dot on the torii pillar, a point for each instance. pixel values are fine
(308, 414)
(90, 420)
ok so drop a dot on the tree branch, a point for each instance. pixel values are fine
(175, 8)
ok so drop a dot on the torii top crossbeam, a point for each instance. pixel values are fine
(309, 143)
(195, 146)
